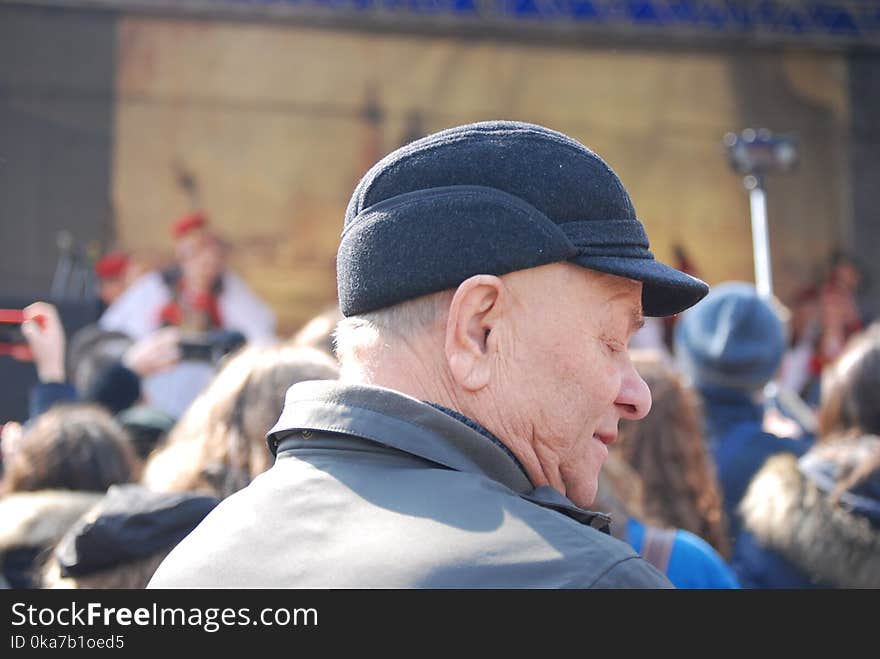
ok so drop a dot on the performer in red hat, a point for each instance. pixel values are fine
(188, 223)
(112, 272)
(198, 293)
(196, 281)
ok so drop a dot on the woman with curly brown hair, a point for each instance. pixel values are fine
(687, 560)
(668, 450)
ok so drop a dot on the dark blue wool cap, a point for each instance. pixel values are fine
(493, 198)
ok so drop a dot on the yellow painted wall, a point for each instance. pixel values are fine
(268, 120)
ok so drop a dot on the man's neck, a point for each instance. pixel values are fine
(422, 378)
(406, 370)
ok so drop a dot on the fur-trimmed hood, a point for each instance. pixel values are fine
(39, 519)
(788, 512)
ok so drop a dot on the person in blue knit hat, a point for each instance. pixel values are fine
(731, 345)
(490, 276)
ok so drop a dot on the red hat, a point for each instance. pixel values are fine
(189, 222)
(111, 265)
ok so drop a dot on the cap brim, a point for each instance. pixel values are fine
(666, 291)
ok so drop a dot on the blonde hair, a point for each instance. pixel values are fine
(219, 445)
(319, 331)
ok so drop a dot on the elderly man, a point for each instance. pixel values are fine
(491, 276)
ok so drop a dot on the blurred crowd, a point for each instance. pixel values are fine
(757, 467)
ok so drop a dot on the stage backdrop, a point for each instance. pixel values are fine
(273, 125)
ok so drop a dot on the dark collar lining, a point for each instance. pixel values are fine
(474, 425)
(544, 496)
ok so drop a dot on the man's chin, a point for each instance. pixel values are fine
(584, 495)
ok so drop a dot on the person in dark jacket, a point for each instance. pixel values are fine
(57, 469)
(119, 542)
(731, 345)
(491, 276)
(815, 521)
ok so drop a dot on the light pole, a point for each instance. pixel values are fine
(755, 153)
(760, 239)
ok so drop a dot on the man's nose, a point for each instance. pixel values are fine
(634, 398)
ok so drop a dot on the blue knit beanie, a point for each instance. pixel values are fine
(493, 198)
(731, 339)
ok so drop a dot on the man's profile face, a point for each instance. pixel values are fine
(570, 378)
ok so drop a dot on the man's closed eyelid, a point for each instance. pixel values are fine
(615, 346)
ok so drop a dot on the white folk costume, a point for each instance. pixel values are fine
(157, 299)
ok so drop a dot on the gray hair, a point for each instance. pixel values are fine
(363, 334)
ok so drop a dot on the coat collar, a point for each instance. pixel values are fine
(401, 422)
(395, 420)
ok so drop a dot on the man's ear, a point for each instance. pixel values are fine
(470, 342)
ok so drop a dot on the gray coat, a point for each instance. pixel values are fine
(374, 489)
